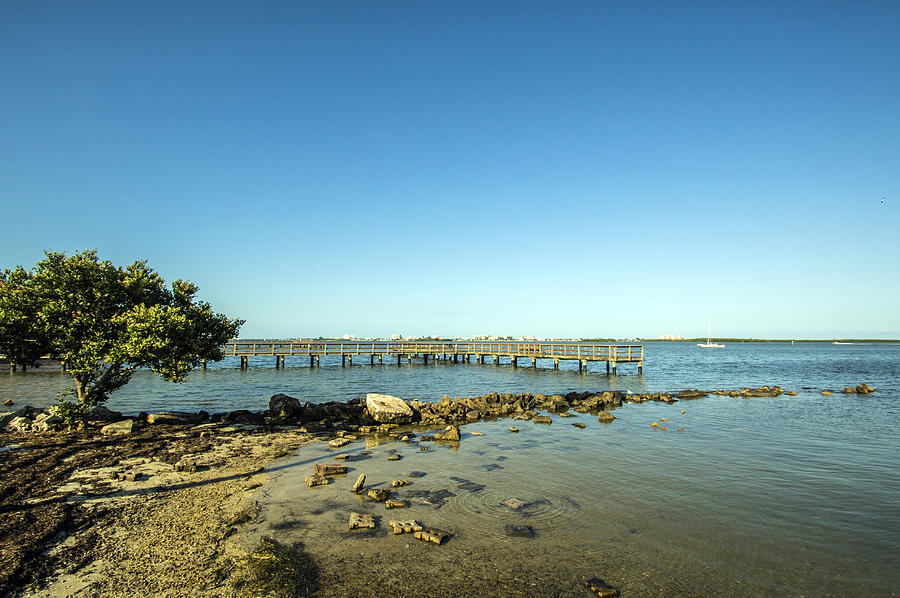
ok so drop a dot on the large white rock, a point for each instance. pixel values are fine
(387, 409)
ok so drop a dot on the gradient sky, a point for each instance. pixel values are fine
(558, 169)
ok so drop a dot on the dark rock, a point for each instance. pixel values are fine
(360, 482)
(174, 417)
(244, 417)
(417, 474)
(691, 394)
(580, 424)
(543, 419)
(864, 389)
(101, 413)
(284, 408)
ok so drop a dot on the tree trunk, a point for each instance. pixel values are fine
(80, 393)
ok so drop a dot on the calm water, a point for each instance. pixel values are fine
(793, 496)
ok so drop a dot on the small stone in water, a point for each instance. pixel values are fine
(542, 419)
(417, 474)
(600, 587)
(513, 429)
(316, 480)
(654, 425)
(342, 457)
(379, 494)
(394, 457)
(328, 469)
(360, 482)
(405, 527)
(432, 535)
(578, 424)
(362, 521)
(338, 442)
(477, 433)
(395, 504)
(513, 503)
(398, 483)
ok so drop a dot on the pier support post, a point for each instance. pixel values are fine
(398, 359)
(343, 360)
(481, 359)
(12, 367)
(555, 363)
(534, 363)
(456, 358)
(349, 361)
(312, 360)
(607, 367)
(381, 360)
(579, 366)
(318, 360)
(409, 359)
(425, 357)
(614, 367)
(202, 362)
(496, 360)
(640, 367)
(515, 361)
(244, 362)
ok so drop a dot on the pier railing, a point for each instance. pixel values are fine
(579, 351)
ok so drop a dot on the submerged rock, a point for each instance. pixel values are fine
(519, 531)
(360, 482)
(605, 417)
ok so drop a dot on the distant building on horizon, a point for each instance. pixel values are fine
(671, 337)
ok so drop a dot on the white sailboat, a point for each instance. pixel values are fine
(708, 344)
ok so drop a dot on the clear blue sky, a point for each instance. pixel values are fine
(558, 169)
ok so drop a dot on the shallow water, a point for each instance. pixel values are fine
(793, 496)
(729, 506)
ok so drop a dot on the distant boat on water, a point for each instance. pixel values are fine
(708, 344)
(840, 343)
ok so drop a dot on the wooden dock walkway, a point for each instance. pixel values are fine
(583, 353)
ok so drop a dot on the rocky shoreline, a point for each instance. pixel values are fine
(148, 505)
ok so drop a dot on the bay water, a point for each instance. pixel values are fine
(792, 496)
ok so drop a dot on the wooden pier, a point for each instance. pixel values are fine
(583, 353)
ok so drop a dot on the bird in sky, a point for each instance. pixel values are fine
(882, 201)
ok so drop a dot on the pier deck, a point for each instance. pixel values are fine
(583, 353)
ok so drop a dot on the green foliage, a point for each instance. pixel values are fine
(21, 339)
(105, 321)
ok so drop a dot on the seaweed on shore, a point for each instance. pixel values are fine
(277, 570)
